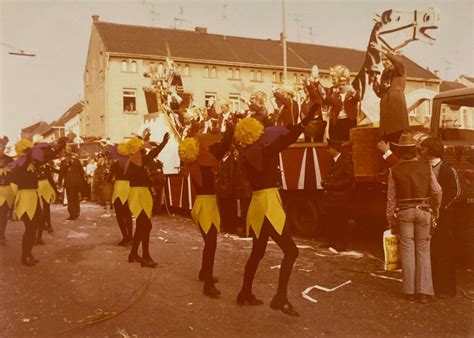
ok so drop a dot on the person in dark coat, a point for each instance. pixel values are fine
(338, 188)
(72, 178)
(442, 245)
(266, 217)
(391, 91)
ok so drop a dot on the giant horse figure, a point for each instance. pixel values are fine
(393, 30)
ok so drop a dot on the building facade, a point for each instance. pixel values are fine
(210, 65)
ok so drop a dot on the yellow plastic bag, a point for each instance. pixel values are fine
(390, 249)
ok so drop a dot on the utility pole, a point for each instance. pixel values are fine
(283, 40)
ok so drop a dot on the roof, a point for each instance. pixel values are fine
(68, 115)
(469, 78)
(450, 85)
(456, 92)
(141, 40)
(31, 129)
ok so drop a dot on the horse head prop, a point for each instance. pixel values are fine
(393, 30)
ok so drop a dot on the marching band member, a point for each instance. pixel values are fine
(201, 155)
(266, 217)
(139, 199)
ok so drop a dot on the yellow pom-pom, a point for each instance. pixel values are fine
(123, 149)
(188, 150)
(248, 130)
(22, 145)
(134, 145)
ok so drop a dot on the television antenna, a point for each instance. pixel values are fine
(17, 52)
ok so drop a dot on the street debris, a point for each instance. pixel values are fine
(305, 293)
(25, 320)
(305, 270)
(275, 267)
(350, 253)
(123, 333)
(237, 238)
(77, 235)
(304, 247)
(386, 277)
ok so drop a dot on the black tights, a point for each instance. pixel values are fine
(142, 235)
(46, 219)
(31, 226)
(3, 219)
(124, 219)
(208, 254)
(290, 251)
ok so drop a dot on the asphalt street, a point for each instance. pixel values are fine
(84, 286)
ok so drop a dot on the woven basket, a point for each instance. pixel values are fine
(367, 158)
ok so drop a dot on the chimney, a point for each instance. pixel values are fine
(201, 29)
(436, 72)
(95, 18)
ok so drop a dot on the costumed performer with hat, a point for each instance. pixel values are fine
(7, 190)
(201, 155)
(413, 201)
(28, 201)
(139, 199)
(266, 217)
(121, 191)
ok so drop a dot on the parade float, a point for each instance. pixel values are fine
(304, 164)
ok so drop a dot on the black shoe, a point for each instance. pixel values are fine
(422, 298)
(148, 263)
(248, 299)
(201, 278)
(211, 291)
(28, 261)
(134, 258)
(282, 304)
(39, 241)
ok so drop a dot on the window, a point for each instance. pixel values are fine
(208, 96)
(206, 71)
(214, 72)
(302, 76)
(295, 78)
(457, 120)
(134, 67)
(274, 77)
(252, 75)
(259, 76)
(124, 66)
(281, 77)
(129, 100)
(160, 69)
(234, 100)
(230, 73)
(237, 74)
(186, 70)
(179, 68)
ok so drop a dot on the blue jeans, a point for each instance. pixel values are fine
(414, 227)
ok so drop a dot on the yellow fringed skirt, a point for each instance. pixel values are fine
(7, 194)
(121, 190)
(26, 201)
(140, 199)
(265, 203)
(46, 191)
(205, 212)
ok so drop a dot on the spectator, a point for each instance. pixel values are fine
(442, 246)
(71, 177)
(413, 200)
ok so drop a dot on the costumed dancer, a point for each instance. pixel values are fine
(47, 192)
(343, 101)
(266, 217)
(140, 200)
(391, 90)
(121, 192)
(201, 155)
(28, 202)
(7, 191)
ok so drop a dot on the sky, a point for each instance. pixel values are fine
(45, 86)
